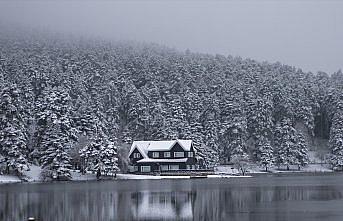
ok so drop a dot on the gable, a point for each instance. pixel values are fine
(177, 148)
(135, 151)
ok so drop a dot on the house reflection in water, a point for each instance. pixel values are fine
(162, 205)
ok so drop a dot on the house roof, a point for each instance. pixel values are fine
(145, 146)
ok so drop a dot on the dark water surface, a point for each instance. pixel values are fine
(262, 198)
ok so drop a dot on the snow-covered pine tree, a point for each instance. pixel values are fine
(336, 137)
(55, 159)
(302, 151)
(90, 154)
(109, 159)
(211, 140)
(265, 153)
(100, 153)
(260, 122)
(233, 128)
(134, 111)
(285, 144)
(56, 133)
(13, 139)
(54, 106)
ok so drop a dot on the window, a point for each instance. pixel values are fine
(190, 154)
(164, 167)
(135, 168)
(173, 167)
(136, 155)
(155, 154)
(145, 169)
(166, 154)
(179, 154)
(190, 167)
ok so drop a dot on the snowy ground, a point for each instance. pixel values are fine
(9, 179)
(33, 175)
(77, 176)
(254, 169)
(225, 171)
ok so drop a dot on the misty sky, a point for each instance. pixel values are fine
(306, 34)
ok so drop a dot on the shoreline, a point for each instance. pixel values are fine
(91, 177)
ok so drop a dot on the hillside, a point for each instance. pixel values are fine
(72, 102)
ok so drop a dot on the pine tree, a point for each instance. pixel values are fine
(302, 151)
(210, 132)
(109, 159)
(265, 153)
(13, 139)
(91, 154)
(55, 159)
(100, 154)
(54, 106)
(233, 128)
(286, 144)
(336, 137)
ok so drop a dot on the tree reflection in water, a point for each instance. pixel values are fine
(181, 200)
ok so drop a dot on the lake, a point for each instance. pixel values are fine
(265, 198)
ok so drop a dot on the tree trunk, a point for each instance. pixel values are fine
(287, 167)
(7, 169)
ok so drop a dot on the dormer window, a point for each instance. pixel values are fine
(136, 155)
(155, 154)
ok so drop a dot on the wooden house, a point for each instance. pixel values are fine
(159, 156)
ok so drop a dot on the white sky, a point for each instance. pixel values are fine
(304, 33)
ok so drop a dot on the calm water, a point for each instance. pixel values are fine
(264, 198)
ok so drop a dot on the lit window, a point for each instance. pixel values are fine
(136, 155)
(174, 167)
(179, 154)
(164, 167)
(145, 169)
(190, 154)
(155, 155)
(166, 154)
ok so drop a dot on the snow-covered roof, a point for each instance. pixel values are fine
(148, 160)
(164, 145)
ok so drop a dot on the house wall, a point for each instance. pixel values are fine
(175, 148)
(155, 167)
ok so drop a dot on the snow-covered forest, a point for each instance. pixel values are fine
(68, 103)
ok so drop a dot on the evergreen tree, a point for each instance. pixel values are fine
(100, 154)
(286, 144)
(13, 139)
(336, 137)
(265, 153)
(55, 159)
(109, 159)
(233, 129)
(302, 151)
